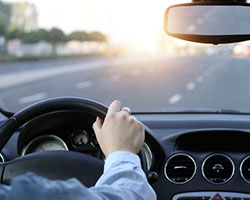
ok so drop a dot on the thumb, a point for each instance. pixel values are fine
(97, 126)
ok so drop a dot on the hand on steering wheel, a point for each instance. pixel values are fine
(120, 131)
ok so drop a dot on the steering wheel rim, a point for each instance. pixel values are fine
(46, 106)
(43, 107)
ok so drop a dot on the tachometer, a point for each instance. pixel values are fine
(45, 143)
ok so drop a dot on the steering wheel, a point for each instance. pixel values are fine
(55, 165)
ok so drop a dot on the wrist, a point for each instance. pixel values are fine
(121, 157)
(120, 149)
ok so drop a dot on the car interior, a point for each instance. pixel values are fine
(189, 155)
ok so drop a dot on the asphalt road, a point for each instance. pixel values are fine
(144, 84)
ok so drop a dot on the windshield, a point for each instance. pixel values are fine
(109, 49)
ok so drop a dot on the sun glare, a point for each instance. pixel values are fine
(136, 25)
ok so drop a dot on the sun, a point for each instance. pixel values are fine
(137, 23)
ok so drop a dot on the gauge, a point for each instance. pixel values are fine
(148, 155)
(1, 158)
(80, 138)
(45, 143)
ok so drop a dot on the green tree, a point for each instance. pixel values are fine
(2, 30)
(5, 14)
(36, 36)
(15, 34)
(96, 36)
(31, 37)
(78, 35)
(43, 34)
(56, 35)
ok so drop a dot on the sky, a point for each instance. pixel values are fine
(139, 22)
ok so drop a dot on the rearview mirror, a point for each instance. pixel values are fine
(209, 22)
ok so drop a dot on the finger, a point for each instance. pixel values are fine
(124, 112)
(115, 106)
(133, 118)
(127, 109)
(97, 125)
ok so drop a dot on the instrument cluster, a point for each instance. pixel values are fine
(79, 140)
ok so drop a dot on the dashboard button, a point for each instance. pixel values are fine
(217, 197)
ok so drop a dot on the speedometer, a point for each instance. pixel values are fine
(45, 143)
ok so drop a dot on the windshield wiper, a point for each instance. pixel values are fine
(6, 113)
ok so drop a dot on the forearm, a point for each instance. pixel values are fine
(123, 178)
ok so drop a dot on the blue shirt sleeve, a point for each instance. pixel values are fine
(122, 179)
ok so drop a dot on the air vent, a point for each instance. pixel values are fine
(218, 168)
(180, 168)
(245, 169)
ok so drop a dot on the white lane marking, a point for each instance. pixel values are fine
(174, 99)
(115, 77)
(190, 86)
(22, 77)
(36, 75)
(32, 98)
(199, 79)
(136, 73)
(84, 84)
(191, 28)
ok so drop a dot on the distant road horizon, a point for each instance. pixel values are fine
(147, 83)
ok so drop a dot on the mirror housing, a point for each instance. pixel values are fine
(210, 22)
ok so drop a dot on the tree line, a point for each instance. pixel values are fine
(54, 35)
(19, 20)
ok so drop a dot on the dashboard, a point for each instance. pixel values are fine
(65, 131)
(195, 156)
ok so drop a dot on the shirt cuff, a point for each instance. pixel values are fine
(121, 156)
